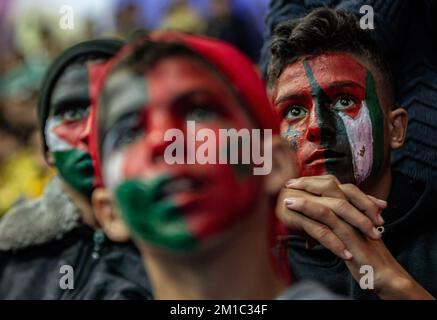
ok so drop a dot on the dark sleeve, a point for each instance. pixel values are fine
(391, 17)
(391, 20)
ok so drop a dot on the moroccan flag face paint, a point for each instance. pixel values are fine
(172, 206)
(331, 117)
(67, 128)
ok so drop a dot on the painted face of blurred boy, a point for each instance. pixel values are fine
(331, 117)
(67, 128)
(178, 206)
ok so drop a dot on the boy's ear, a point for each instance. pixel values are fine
(398, 120)
(107, 216)
(283, 166)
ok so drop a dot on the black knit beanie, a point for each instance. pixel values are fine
(98, 48)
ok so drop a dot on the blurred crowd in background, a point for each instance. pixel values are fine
(31, 37)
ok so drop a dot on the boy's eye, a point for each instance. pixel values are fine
(124, 132)
(74, 114)
(127, 136)
(295, 112)
(344, 102)
(201, 114)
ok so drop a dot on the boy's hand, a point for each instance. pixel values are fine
(343, 219)
(317, 205)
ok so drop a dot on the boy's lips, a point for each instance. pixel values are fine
(320, 156)
(187, 190)
(180, 184)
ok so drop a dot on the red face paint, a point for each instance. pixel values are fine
(74, 132)
(313, 96)
(209, 197)
(69, 124)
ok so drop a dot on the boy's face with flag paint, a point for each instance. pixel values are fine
(172, 206)
(68, 127)
(331, 117)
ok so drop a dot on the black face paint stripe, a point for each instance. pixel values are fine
(333, 135)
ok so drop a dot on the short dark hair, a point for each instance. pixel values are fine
(323, 30)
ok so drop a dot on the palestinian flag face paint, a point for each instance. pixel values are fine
(172, 206)
(67, 129)
(331, 117)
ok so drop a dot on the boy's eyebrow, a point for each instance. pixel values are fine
(202, 93)
(289, 96)
(344, 84)
(71, 102)
(332, 85)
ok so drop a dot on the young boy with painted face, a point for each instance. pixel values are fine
(38, 239)
(204, 231)
(333, 91)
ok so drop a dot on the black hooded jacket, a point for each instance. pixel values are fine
(46, 253)
(410, 235)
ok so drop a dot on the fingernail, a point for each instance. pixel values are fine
(380, 219)
(289, 201)
(376, 233)
(290, 183)
(347, 254)
(382, 202)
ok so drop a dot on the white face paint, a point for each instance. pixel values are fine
(54, 142)
(113, 170)
(74, 122)
(359, 133)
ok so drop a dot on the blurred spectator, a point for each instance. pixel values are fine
(128, 19)
(9, 142)
(181, 16)
(49, 42)
(22, 173)
(18, 90)
(225, 24)
(5, 27)
(252, 14)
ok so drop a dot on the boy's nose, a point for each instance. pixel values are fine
(160, 126)
(83, 139)
(313, 132)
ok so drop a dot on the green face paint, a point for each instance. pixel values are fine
(159, 222)
(71, 159)
(189, 206)
(377, 118)
(67, 127)
(76, 168)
